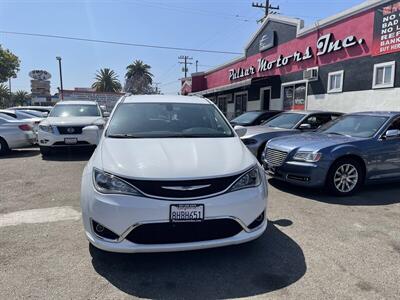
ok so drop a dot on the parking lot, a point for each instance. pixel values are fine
(315, 247)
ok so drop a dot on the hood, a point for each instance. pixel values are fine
(309, 141)
(177, 158)
(70, 121)
(260, 130)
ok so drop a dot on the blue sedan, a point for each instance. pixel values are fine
(354, 149)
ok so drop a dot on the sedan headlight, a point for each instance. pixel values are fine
(307, 156)
(109, 184)
(46, 128)
(251, 179)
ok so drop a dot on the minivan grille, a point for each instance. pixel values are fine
(178, 189)
(275, 157)
(70, 129)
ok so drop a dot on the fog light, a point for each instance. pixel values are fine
(258, 221)
(103, 232)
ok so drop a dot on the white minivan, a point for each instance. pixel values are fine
(170, 174)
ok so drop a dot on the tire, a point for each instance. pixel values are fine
(45, 151)
(3, 147)
(345, 177)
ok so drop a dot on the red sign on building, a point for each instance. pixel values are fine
(387, 29)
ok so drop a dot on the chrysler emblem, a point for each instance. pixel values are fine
(186, 188)
(70, 130)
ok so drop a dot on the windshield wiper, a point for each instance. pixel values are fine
(337, 133)
(122, 136)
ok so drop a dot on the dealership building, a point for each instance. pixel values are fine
(347, 62)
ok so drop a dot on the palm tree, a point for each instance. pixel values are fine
(107, 81)
(138, 78)
(20, 97)
(4, 95)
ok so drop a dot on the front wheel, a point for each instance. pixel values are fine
(45, 151)
(345, 177)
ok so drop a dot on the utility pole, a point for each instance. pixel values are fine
(269, 9)
(197, 66)
(61, 81)
(183, 59)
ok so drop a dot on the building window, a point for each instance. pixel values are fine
(384, 75)
(222, 103)
(294, 95)
(335, 82)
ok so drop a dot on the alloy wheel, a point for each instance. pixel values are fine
(346, 178)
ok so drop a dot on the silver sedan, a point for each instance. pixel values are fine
(15, 134)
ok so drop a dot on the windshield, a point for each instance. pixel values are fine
(285, 120)
(247, 118)
(163, 120)
(33, 113)
(72, 110)
(355, 125)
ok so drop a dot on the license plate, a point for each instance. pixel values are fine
(186, 213)
(70, 141)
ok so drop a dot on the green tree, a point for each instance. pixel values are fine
(139, 79)
(20, 98)
(4, 96)
(107, 81)
(9, 64)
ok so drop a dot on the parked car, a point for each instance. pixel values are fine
(352, 150)
(287, 123)
(155, 184)
(14, 134)
(254, 118)
(24, 116)
(70, 123)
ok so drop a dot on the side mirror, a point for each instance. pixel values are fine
(393, 133)
(106, 114)
(93, 131)
(45, 114)
(305, 126)
(240, 130)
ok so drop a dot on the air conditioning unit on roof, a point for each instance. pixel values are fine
(310, 74)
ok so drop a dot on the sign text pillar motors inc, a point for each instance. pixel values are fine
(387, 29)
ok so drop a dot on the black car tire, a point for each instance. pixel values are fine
(45, 151)
(3, 147)
(352, 171)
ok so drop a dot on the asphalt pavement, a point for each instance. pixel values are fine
(316, 246)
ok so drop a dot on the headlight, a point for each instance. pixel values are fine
(46, 128)
(251, 179)
(307, 156)
(109, 184)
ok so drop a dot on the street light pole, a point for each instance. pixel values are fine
(61, 81)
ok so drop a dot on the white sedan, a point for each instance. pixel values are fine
(170, 174)
(71, 123)
(15, 134)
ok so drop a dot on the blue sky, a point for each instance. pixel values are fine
(206, 24)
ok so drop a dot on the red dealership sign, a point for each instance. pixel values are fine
(387, 29)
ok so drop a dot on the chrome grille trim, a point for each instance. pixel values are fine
(275, 157)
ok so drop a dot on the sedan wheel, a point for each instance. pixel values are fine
(345, 177)
(3, 147)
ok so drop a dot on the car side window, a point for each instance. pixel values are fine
(395, 125)
(316, 121)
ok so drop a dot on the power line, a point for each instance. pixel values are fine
(269, 9)
(117, 43)
(183, 59)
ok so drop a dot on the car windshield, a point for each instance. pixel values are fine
(33, 113)
(72, 110)
(164, 120)
(362, 126)
(247, 118)
(285, 120)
